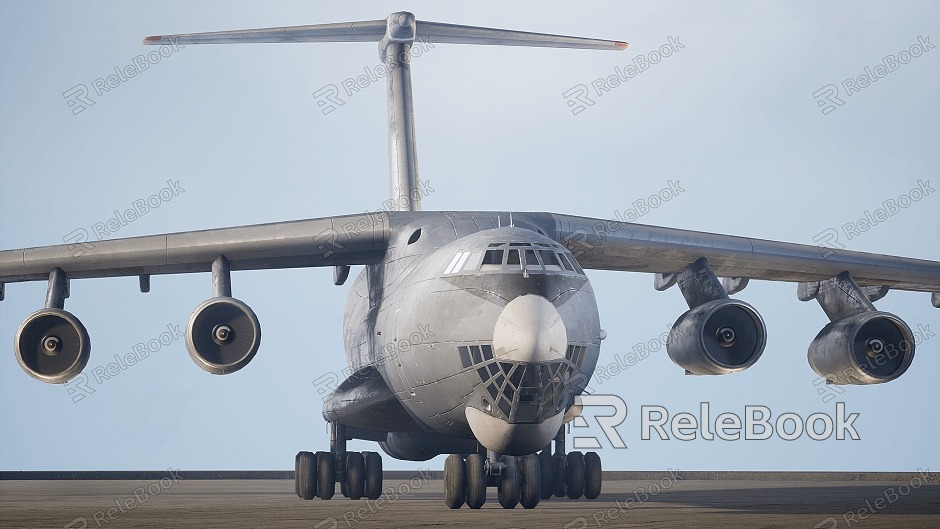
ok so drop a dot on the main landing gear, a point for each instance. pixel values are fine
(358, 473)
(523, 479)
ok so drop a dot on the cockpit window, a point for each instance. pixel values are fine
(535, 257)
(574, 263)
(460, 259)
(531, 261)
(550, 260)
(513, 259)
(493, 257)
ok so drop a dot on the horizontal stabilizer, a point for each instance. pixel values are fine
(370, 31)
(436, 32)
(375, 30)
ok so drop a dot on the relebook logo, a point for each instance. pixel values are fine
(757, 424)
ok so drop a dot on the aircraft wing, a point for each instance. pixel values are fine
(612, 245)
(342, 240)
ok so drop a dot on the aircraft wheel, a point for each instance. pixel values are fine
(547, 472)
(355, 475)
(476, 481)
(593, 476)
(305, 476)
(326, 466)
(561, 473)
(574, 478)
(531, 486)
(455, 481)
(297, 474)
(510, 483)
(373, 475)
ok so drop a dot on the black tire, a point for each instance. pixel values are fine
(297, 474)
(372, 488)
(574, 478)
(509, 483)
(305, 480)
(326, 475)
(355, 475)
(530, 468)
(561, 473)
(476, 481)
(593, 475)
(547, 471)
(455, 481)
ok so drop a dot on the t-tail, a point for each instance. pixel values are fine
(395, 35)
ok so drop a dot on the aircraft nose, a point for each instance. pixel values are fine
(530, 334)
(530, 329)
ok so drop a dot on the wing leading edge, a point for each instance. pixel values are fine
(612, 245)
(328, 241)
(362, 239)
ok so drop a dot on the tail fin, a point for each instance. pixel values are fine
(395, 36)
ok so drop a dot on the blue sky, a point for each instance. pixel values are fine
(731, 116)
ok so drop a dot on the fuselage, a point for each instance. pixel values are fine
(480, 329)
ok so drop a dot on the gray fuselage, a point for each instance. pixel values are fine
(479, 331)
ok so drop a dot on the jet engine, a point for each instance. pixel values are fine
(223, 335)
(52, 345)
(867, 348)
(718, 337)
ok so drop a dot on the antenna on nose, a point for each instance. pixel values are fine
(395, 36)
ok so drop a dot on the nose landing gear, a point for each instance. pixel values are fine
(517, 480)
(523, 479)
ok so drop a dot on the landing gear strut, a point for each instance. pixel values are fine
(358, 473)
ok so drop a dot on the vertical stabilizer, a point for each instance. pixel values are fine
(395, 35)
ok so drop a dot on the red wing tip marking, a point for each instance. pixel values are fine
(153, 39)
(622, 45)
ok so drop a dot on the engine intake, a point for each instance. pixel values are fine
(223, 335)
(52, 345)
(868, 348)
(718, 337)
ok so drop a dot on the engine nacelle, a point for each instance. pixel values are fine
(223, 335)
(718, 337)
(52, 345)
(868, 348)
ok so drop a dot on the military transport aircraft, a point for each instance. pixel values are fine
(473, 333)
